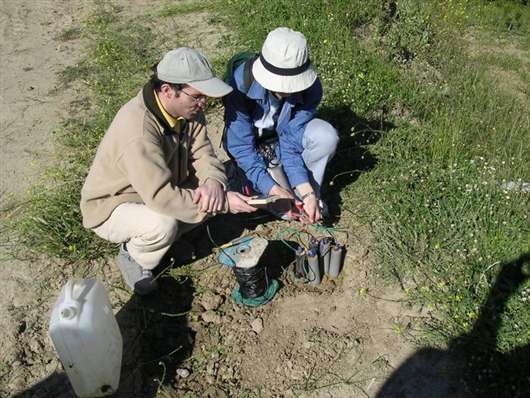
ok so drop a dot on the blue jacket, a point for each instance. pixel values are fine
(297, 110)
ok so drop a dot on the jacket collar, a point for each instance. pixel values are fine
(148, 94)
(258, 92)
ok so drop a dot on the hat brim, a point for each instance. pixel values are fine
(283, 84)
(213, 87)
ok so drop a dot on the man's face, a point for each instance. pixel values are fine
(186, 103)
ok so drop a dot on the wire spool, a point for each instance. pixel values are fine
(253, 281)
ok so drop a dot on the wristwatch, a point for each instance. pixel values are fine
(306, 195)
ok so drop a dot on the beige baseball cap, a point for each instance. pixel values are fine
(190, 66)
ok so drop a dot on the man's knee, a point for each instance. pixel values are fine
(321, 135)
(160, 229)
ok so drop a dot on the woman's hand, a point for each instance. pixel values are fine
(237, 203)
(312, 209)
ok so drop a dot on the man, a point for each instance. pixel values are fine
(155, 175)
(270, 122)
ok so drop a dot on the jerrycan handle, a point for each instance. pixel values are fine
(71, 305)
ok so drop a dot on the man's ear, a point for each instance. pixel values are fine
(166, 90)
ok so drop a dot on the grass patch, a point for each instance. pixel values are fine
(444, 227)
(417, 115)
(184, 8)
(115, 68)
(70, 34)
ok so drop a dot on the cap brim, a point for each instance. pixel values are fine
(283, 84)
(213, 87)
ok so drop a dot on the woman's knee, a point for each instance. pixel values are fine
(321, 135)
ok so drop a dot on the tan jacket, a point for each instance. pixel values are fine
(142, 160)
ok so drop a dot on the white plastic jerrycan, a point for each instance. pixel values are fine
(87, 338)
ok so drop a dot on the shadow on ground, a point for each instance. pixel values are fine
(156, 336)
(352, 156)
(471, 365)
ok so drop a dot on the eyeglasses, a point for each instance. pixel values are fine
(196, 98)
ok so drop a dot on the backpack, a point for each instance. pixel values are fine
(243, 57)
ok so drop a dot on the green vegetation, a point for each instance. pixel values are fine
(115, 68)
(429, 135)
(431, 186)
(184, 8)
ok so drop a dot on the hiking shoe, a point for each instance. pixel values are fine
(139, 279)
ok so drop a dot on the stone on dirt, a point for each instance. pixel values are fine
(183, 373)
(213, 392)
(257, 325)
(211, 301)
(211, 317)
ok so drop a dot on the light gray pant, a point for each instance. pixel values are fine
(320, 142)
(148, 234)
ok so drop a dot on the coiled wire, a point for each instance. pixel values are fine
(253, 282)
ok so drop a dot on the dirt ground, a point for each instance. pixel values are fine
(339, 339)
(30, 111)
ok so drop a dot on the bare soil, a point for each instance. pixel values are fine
(31, 109)
(339, 339)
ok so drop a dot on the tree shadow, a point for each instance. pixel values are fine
(471, 365)
(352, 156)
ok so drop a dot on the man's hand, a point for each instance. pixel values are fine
(312, 209)
(210, 196)
(237, 203)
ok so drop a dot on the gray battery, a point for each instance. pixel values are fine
(325, 253)
(336, 259)
(300, 260)
(313, 274)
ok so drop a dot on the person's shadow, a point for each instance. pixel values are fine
(352, 157)
(471, 366)
(156, 336)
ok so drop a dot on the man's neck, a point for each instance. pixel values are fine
(162, 106)
(165, 104)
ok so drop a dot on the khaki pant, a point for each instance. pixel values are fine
(148, 234)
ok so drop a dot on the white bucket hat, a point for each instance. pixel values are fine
(283, 65)
(189, 66)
